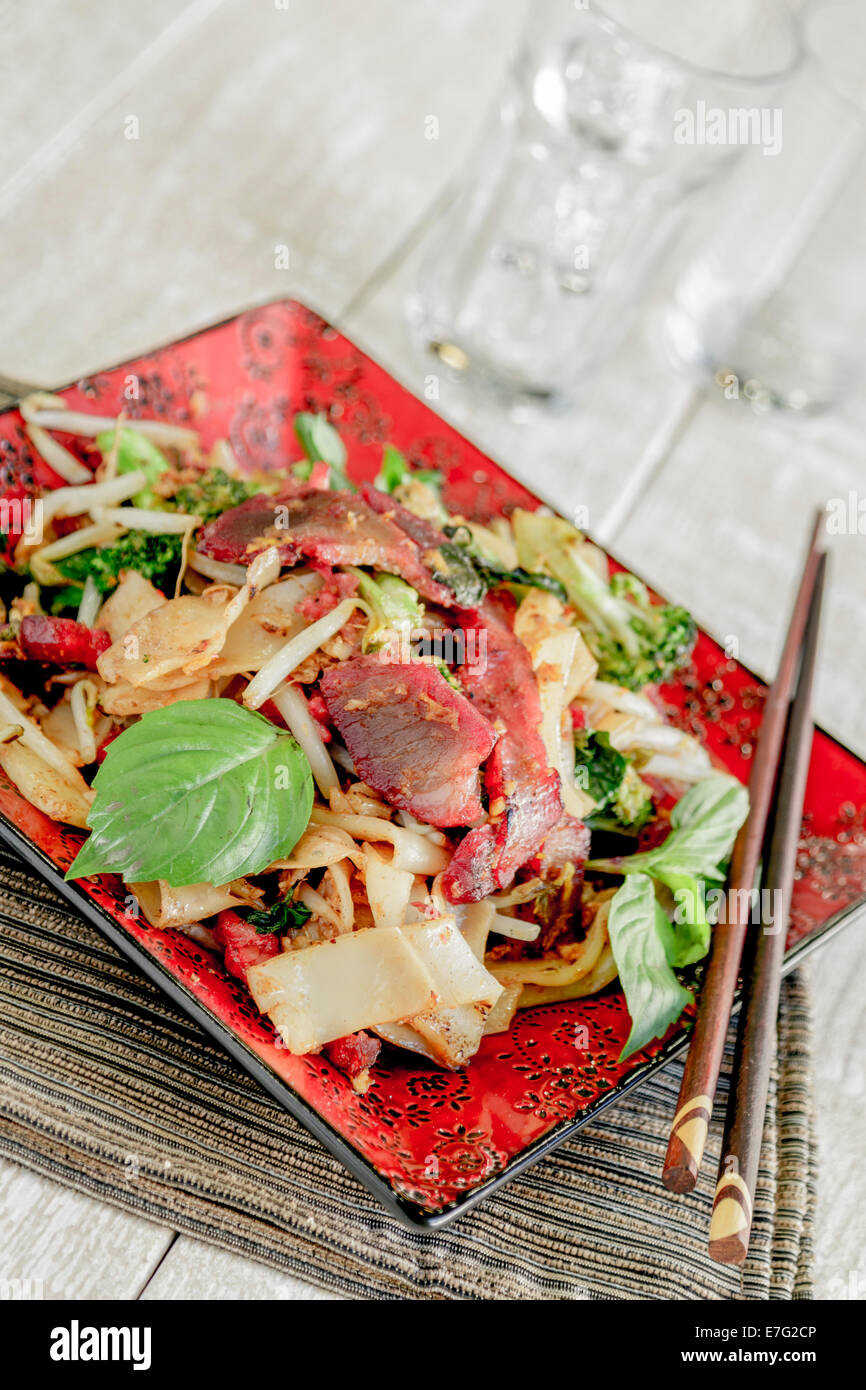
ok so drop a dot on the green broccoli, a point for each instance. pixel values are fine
(156, 557)
(622, 799)
(213, 493)
(635, 641)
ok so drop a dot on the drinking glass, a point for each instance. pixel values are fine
(581, 177)
(772, 300)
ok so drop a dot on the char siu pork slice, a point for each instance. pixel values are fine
(524, 799)
(324, 528)
(411, 736)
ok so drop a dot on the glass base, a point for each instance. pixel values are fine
(477, 372)
(761, 364)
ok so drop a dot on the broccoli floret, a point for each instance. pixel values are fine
(622, 800)
(156, 557)
(632, 804)
(666, 636)
(635, 641)
(213, 493)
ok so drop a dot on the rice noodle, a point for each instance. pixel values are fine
(33, 738)
(365, 978)
(499, 1018)
(60, 793)
(341, 915)
(318, 848)
(437, 836)
(187, 633)
(164, 906)
(264, 569)
(82, 702)
(266, 623)
(389, 889)
(557, 970)
(296, 650)
(600, 975)
(411, 850)
(292, 705)
(71, 469)
(133, 599)
(514, 928)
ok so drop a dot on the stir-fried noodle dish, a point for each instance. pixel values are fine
(405, 772)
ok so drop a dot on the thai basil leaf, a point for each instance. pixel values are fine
(640, 938)
(705, 823)
(203, 791)
(284, 916)
(319, 440)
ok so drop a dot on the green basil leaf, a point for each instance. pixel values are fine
(690, 929)
(461, 576)
(640, 940)
(394, 469)
(200, 792)
(284, 916)
(319, 440)
(705, 823)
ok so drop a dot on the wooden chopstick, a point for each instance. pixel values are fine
(700, 1076)
(731, 1222)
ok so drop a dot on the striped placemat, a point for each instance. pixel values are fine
(105, 1086)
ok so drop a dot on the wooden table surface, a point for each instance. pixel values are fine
(301, 123)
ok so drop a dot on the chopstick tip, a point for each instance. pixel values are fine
(679, 1178)
(731, 1222)
(686, 1144)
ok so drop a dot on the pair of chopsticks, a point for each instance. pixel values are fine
(781, 760)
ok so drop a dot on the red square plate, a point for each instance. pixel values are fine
(428, 1143)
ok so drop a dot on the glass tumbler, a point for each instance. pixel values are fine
(581, 178)
(772, 299)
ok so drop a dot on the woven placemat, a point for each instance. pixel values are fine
(105, 1086)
